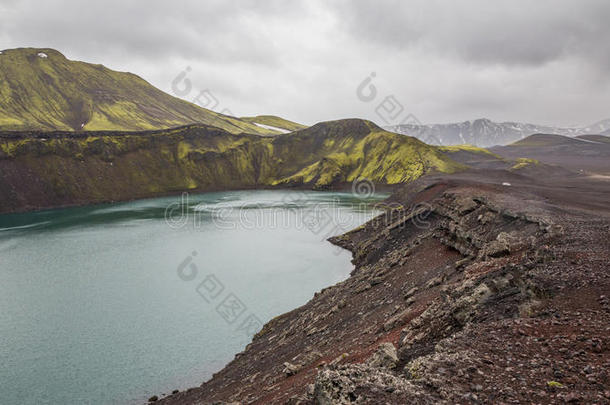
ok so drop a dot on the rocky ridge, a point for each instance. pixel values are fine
(463, 292)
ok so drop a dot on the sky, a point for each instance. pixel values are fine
(391, 61)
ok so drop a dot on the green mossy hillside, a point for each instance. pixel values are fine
(50, 169)
(40, 89)
(347, 150)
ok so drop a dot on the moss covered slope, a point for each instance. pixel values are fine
(42, 90)
(343, 151)
(61, 168)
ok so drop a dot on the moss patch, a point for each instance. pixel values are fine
(523, 163)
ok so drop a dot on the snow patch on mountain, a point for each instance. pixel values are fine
(282, 130)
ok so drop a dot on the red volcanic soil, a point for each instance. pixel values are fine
(486, 293)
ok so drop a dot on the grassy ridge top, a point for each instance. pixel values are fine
(465, 148)
(40, 89)
(274, 121)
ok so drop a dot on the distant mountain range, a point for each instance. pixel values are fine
(40, 89)
(485, 133)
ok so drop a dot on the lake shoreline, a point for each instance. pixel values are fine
(140, 278)
(467, 260)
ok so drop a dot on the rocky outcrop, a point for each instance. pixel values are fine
(349, 384)
(384, 357)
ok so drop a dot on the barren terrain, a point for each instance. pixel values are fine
(467, 290)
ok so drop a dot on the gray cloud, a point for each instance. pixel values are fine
(507, 32)
(545, 61)
(219, 32)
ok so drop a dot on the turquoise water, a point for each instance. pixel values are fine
(110, 304)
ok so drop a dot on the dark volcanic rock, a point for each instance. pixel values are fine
(497, 295)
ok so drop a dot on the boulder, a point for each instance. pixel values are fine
(384, 357)
(290, 369)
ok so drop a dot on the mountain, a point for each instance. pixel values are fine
(596, 138)
(40, 89)
(602, 127)
(550, 141)
(484, 132)
(49, 169)
(274, 123)
(590, 153)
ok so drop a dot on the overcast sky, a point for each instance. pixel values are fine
(544, 61)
